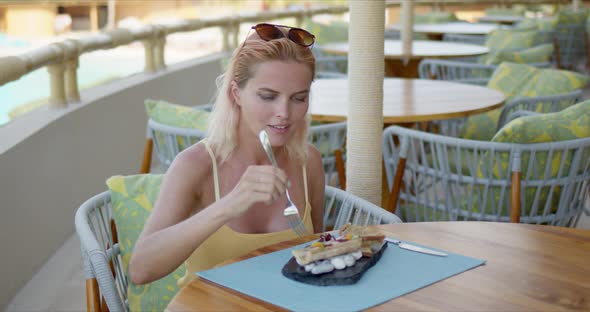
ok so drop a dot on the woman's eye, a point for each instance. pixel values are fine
(301, 99)
(267, 97)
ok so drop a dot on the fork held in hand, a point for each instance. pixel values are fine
(291, 211)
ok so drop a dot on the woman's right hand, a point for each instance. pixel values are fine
(258, 184)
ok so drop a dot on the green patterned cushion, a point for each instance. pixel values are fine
(505, 11)
(510, 40)
(547, 23)
(132, 199)
(568, 124)
(527, 23)
(176, 115)
(537, 54)
(568, 16)
(520, 80)
(434, 18)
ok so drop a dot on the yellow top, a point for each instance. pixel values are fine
(226, 244)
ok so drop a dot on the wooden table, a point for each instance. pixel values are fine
(406, 100)
(529, 267)
(436, 31)
(501, 19)
(421, 49)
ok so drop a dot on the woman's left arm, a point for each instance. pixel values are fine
(316, 181)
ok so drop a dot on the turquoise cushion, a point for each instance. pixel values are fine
(132, 200)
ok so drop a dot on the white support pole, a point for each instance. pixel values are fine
(407, 18)
(365, 110)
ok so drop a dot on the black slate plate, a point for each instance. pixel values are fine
(347, 276)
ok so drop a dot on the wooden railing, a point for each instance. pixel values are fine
(61, 58)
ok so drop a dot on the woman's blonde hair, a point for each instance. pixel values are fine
(223, 122)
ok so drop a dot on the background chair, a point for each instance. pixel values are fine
(106, 279)
(539, 104)
(329, 139)
(463, 72)
(172, 128)
(168, 141)
(535, 170)
(515, 81)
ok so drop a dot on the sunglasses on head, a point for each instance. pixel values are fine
(269, 32)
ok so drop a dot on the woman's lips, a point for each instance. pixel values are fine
(279, 129)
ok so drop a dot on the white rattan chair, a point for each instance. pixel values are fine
(169, 141)
(435, 178)
(329, 140)
(463, 72)
(106, 282)
(542, 104)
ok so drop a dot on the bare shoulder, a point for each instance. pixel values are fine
(190, 167)
(314, 158)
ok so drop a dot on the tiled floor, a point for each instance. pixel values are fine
(60, 284)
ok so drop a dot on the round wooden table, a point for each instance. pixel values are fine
(406, 100)
(528, 267)
(501, 19)
(421, 49)
(436, 31)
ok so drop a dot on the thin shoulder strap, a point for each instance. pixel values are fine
(215, 178)
(305, 184)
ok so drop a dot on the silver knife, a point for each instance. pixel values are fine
(415, 248)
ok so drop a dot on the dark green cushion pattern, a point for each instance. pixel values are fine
(515, 80)
(132, 200)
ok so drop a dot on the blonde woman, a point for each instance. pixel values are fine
(221, 198)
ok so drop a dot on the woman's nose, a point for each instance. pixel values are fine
(282, 109)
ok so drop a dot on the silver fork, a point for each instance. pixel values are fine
(290, 212)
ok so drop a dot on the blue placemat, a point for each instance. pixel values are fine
(398, 272)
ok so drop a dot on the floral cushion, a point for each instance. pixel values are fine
(537, 54)
(520, 80)
(132, 199)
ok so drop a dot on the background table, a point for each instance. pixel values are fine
(421, 49)
(406, 100)
(436, 31)
(529, 267)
